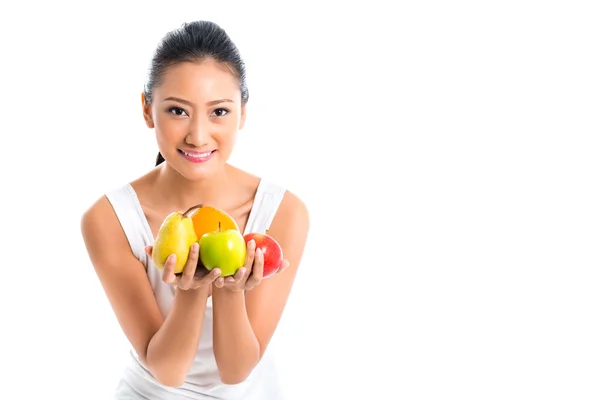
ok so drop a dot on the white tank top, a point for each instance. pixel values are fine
(203, 380)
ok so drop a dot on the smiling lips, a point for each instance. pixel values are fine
(197, 156)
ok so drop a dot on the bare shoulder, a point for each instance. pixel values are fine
(104, 237)
(292, 206)
(105, 240)
(99, 224)
(290, 227)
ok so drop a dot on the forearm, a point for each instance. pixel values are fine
(236, 348)
(172, 349)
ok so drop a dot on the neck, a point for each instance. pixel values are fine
(184, 193)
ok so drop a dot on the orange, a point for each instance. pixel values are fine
(207, 219)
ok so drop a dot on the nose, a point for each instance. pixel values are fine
(198, 134)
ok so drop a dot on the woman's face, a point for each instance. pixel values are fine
(196, 112)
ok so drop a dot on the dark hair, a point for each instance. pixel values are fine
(195, 41)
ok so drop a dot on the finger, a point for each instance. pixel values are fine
(235, 278)
(257, 269)
(190, 266)
(148, 250)
(211, 277)
(284, 265)
(219, 282)
(240, 274)
(168, 276)
(250, 252)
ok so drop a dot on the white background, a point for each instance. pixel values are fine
(447, 151)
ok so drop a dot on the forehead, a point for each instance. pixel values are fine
(198, 81)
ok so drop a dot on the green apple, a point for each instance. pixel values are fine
(225, 250)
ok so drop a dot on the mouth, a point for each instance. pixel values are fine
(197, 156)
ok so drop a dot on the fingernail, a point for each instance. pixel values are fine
(195, 246)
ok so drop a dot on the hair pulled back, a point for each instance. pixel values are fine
(195, 41)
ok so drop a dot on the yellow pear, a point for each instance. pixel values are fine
(175, 236)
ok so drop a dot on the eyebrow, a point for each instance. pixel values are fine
(210, 103)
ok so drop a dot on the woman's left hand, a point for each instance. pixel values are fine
(250, 274)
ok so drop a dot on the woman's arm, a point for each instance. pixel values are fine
(244, 322)
(236, 348)
(172, 348)
(167, 347)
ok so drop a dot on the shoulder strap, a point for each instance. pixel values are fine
(266, 203)
(132, 219)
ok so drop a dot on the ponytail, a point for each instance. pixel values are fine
(159, 159)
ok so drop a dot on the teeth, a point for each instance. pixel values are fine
(199, 155)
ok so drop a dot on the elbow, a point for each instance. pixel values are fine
(237, 370)
(171, 381)
(233, 377)
(166, 376)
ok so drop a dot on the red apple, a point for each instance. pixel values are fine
(273, 255)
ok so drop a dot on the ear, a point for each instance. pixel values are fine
(243, 117)
(147, 112)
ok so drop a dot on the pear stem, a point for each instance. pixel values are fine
(192, 210)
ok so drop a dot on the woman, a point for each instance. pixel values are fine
(192, 335)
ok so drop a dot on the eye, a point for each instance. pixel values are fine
(177, 111)
(220, 112)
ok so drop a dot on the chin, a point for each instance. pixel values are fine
(195, 176)
(199, 172)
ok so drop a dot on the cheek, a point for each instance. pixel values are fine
(225, 130)
(169, 128)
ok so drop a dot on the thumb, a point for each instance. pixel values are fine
(148, 250)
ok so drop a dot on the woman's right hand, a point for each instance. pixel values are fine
(189, 279)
